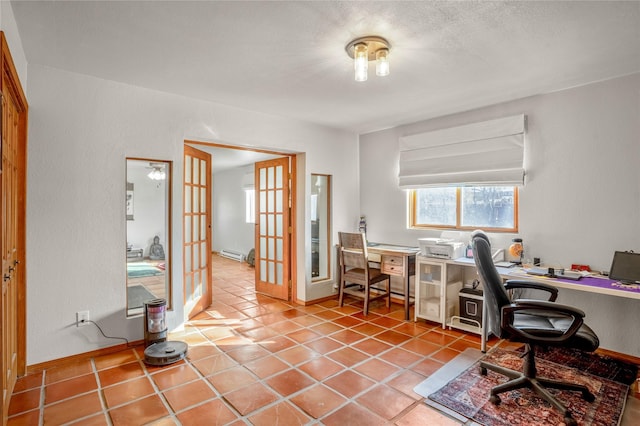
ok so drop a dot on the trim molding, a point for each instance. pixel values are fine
(36, 368)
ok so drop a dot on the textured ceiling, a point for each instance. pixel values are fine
(288, 58)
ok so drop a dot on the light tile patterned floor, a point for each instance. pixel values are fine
(256, 360)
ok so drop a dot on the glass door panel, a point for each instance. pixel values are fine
(272, 236)
(197, 230)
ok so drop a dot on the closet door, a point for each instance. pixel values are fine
(12, 228)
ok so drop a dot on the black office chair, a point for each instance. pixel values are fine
(532, 322)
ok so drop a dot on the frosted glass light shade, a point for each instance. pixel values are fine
(360, 61)
(157, 174)
(382, 62)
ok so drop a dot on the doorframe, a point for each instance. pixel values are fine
(293, 254)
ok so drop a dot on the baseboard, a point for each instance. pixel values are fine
(624, 357)
(316, 301)
(36, 368)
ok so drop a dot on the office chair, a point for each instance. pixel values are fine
(355, 269)
(532, 322)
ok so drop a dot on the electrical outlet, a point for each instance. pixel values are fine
(82, 318)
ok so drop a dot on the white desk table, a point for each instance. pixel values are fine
(586, 284)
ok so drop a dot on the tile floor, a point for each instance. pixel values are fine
(255, 360)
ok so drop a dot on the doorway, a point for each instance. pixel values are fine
(233, 175)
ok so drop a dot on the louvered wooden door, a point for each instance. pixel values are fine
(12, 228)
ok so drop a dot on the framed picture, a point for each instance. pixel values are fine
(129, 201)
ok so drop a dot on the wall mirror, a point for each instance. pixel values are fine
(320, 227)
(148, 216)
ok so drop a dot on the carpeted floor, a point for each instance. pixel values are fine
(459, 388)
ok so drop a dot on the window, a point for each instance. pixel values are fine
(250, 206)
(493, 208)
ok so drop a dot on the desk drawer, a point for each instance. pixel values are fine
(393, 265)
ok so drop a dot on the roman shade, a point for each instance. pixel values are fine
(484, 153)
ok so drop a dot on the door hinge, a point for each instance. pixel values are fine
(290, 229)
(290, 284)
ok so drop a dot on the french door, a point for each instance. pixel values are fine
(12, 228)
(273, 230)
(197, 230)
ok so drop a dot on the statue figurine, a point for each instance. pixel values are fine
(156, 252)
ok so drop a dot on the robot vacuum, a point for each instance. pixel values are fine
(165, 353)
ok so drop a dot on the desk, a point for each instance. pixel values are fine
(585, 284)
(399, 261)
(451, 285)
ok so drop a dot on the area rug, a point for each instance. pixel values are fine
(596, 364)
(468, 394)
(142, 269)
(137, 295)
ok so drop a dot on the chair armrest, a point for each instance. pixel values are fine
(553, 291)
(541, 307)
(549, 306)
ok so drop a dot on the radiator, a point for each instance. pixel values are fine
(230, 254)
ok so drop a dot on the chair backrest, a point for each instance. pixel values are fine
(495, 295)
(353, 250)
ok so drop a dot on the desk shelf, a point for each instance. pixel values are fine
(457, 322)
(438, 283)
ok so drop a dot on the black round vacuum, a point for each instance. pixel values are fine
(165, 353)
(159, 351)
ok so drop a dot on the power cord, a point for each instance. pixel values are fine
(102, 332)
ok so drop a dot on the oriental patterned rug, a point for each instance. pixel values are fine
(468, 393)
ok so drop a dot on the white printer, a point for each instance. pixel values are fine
(443, 248)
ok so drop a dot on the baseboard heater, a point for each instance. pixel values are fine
(231, 254)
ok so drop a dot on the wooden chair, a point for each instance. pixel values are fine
(355, 270)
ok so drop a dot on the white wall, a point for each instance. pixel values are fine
(81, 129)
(581, 201)
(10, 29)
(230, 230)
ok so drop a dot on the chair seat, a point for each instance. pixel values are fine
(545, 326)
(356, 275)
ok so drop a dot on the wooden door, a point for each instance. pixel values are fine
(273, 231)
(12, 228)
(197, 231)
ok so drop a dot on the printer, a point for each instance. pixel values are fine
(442, 248)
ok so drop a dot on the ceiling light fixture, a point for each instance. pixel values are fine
(157, 172)
(369, 48)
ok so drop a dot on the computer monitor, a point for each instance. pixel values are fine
(625, 267)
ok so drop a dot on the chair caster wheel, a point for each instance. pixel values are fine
(588, 396)
(495, 399)
(570, 421)
(483, 371)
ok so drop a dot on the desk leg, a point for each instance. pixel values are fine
(483, 330)
(407, 289)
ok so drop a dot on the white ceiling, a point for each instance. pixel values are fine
(287, 58)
